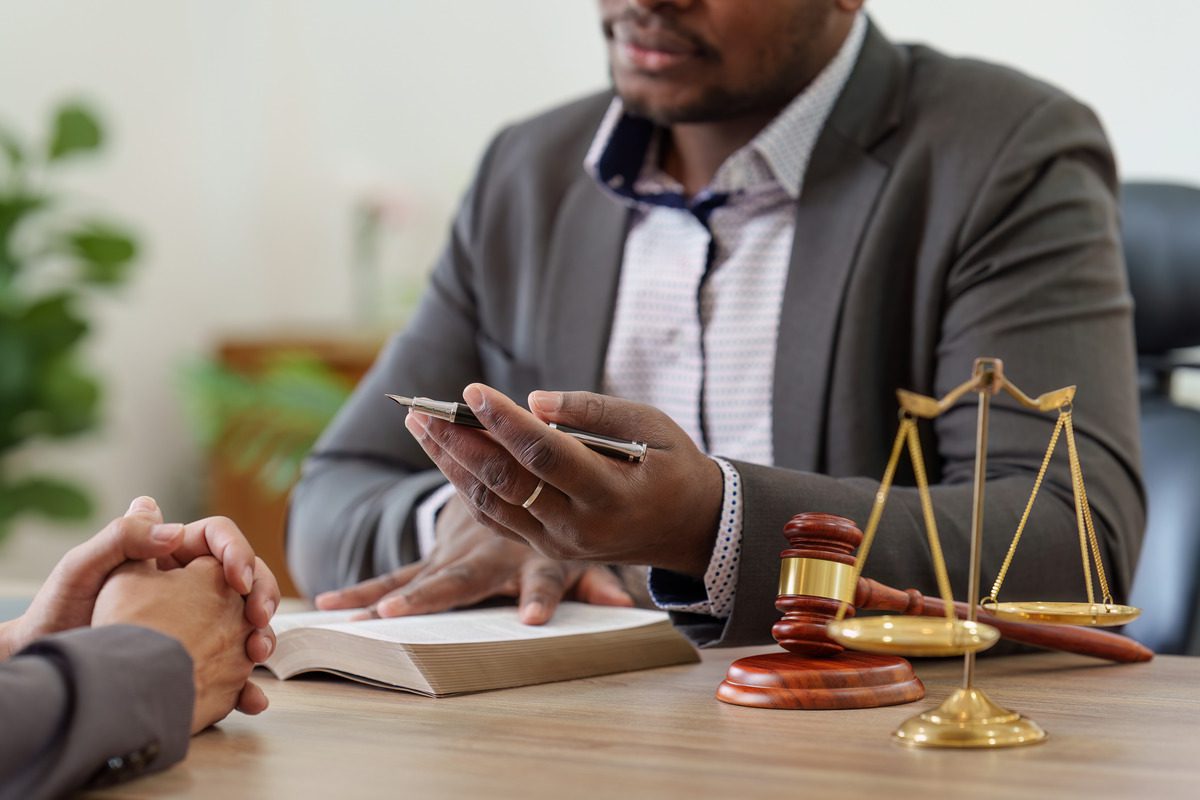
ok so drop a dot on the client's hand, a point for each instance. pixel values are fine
(67, 597)
(195, 605)
(534, 484)
(221, 538)
(469, 563)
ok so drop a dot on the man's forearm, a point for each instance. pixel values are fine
(1046, 566)
(353, 519)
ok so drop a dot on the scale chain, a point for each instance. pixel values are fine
(935, 543)
(1083, 516)
(1037, 484)
(907, 433)
(1077, 477)
(885, 484)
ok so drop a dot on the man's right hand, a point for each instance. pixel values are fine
(196, 606)
(470, 563)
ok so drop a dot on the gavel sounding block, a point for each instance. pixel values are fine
(817, 672)
(848, 680)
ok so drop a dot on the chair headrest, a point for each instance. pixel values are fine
(1160, 226)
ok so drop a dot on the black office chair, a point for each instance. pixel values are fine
(1161, 229)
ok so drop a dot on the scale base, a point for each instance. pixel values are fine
(968, 718)
(847, 680)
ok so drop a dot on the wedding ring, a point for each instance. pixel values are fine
(536, 491)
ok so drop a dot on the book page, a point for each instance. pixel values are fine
(310, 619)
(475, 625)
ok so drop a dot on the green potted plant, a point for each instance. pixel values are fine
(53, 258)
(262, 425)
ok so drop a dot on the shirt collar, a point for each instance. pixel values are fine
(623, 155)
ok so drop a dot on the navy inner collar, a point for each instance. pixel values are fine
(621, 163)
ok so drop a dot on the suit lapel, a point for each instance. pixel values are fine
(831, 215)
(836, 202)
(583, 265)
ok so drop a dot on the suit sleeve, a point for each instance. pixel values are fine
(1037, 280)
(92, 706)
(352, 515)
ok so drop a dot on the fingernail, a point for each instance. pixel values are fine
(270, 608)
(166, 532)
(247, 578)
(474, 397)
(415, 423)
(270, 645)
(393, 606)
(533, 611)
(324, 597)
(546, 401)
(620, 597)
(141, 505)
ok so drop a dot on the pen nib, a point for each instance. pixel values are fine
(401, 399)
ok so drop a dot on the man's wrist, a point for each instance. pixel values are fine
(713, 595)
(705, 523)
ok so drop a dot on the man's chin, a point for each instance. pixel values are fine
(665, 108)
(668, 114)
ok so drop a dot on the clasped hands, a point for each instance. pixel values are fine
(198, 583)
(591, 508)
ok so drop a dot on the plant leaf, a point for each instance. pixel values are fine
(264, 424)
(50, 325)
(76, 130)
(105, 251)
(16, 356)
(11, 149)
(50, 497)
(68, 399)
(13, 208)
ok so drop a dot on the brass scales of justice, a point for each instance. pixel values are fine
(820, 584)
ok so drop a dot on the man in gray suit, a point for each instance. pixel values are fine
(781, 218)
(142, 635)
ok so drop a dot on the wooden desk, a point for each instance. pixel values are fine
(1115, 731)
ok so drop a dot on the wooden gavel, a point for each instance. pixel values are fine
(817, 574)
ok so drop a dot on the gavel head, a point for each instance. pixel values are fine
(816, 574)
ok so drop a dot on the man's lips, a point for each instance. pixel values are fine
(651, 50)
(648, 60)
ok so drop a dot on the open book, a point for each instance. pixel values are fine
(476, 649)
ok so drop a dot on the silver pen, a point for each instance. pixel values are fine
(461, 414)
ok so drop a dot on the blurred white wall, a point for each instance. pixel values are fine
(244, 130)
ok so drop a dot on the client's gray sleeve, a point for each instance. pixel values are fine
(92, 707)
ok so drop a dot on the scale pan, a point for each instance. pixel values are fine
(913, 636)
(1048, 613)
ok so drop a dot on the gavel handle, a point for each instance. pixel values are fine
(1085, 641)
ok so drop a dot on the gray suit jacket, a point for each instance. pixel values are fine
(952, 209)
(92, 706)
